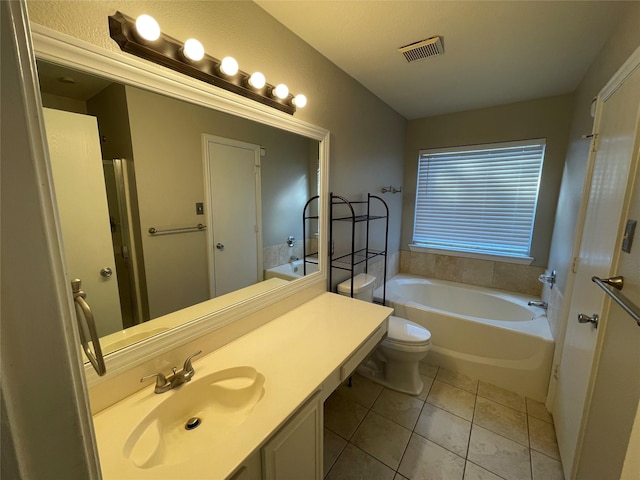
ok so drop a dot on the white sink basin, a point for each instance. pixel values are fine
(221, 401)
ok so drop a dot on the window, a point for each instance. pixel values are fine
(479, 199)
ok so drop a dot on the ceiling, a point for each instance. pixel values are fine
(64, 82)
(496, 52)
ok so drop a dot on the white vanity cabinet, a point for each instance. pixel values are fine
(280, 437)
(295, 451)
(251, 468)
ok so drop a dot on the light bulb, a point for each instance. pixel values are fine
(257, 80)
(300, 100)
(281, 91)
(193, 50)
(229, 66)
(147, 27)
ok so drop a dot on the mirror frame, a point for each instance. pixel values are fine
(52, 46)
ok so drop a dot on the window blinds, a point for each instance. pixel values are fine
(479, 198)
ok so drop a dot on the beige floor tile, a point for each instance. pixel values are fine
(444, 428)
(502, 396)
(399, 477)
(425, 460)
(428, 369)
(399, 407)
(452, 399)
(333, 446)
(342, 415)
(542, 438)
(538, 410)
(499, 455)
(381, 438)
(474, 472)
(545, 468)
(428, 382)
(354, 464)
(362, 390)
(502, 420)
(459, 380)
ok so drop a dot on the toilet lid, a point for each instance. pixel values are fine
(406, 332)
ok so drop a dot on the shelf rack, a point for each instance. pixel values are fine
(338, 205)
(309, 257)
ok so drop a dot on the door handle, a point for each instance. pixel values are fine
(106, 272)
(593, 319)
(219, 246)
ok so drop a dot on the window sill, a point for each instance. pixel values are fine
(480, 256)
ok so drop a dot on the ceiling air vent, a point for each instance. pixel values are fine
(422, 49)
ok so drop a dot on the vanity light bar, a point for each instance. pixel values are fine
(168, 52)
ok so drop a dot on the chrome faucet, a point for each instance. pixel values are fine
(543, 305)
(164, 384)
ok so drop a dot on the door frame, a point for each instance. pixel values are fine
(257, 149)
(52, 363)
(122, 169)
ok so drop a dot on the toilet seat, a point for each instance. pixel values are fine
(404, 333)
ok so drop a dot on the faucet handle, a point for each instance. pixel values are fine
(161, 380)
(187, 363)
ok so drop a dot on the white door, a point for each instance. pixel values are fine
(76, 163)
(234, 239)
(607, 204)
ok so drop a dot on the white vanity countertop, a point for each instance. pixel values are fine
(296, 353)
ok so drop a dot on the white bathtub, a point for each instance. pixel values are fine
(290, 270)
(489, 334)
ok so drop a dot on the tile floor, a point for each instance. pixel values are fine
(458, 428)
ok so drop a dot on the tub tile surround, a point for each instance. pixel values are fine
(502, 436)
(274, 255)
(376, 268)
(483, 273)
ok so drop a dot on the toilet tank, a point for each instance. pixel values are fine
(362, 287)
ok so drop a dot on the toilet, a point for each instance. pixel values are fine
(394, 363)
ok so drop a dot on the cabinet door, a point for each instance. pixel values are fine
(295, 451)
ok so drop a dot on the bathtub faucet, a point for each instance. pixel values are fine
(293, 258)
(543, 305)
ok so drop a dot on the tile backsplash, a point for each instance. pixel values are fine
(484, 273)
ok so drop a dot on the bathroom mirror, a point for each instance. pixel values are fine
(199, 201)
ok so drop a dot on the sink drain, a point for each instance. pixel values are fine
(193, 422)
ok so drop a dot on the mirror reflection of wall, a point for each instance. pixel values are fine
(157, 182)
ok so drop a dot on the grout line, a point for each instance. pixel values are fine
(484, 468)
(472, 422)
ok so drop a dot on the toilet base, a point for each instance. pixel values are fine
(406, 381)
